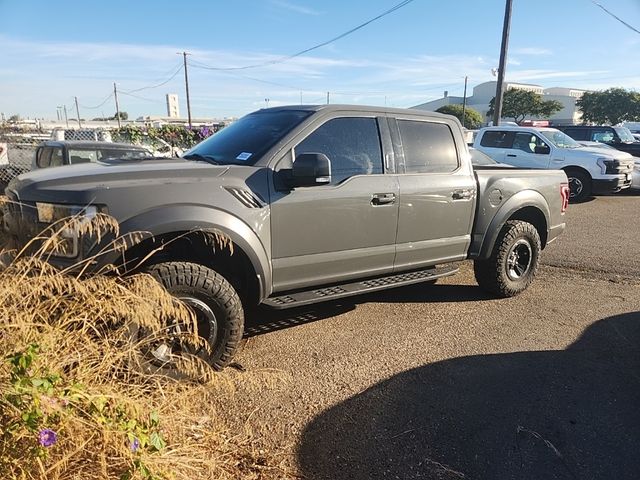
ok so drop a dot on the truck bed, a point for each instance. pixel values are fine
(503, 189)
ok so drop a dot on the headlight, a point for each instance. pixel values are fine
(636, 167)
(52, 212)
(609, 166)
(67, 242)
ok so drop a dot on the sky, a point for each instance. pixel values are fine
(51, 52)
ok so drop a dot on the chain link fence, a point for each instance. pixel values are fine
(16, 156)
(18, 147)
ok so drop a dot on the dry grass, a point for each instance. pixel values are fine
(73, 371)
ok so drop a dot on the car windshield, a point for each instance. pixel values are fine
(246, 140)
(625, 134)
(559, 139)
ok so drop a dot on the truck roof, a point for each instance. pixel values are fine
(361, 108)
(519, 128)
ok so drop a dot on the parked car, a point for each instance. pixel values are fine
(590, 170)
(56, 154)
(619, 138)
(319, 202)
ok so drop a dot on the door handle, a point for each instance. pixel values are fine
(511, 155)
(383, 198)
(461, 194)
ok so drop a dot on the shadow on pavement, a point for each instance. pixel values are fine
(568, 414)
(264, 320)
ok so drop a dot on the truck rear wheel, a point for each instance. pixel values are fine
(215, 303)
(513, 262)
(579, 185)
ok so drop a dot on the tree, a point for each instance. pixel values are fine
(14, 118)
(519, 104)
(472, 118)
(611, 106)
(122, 115)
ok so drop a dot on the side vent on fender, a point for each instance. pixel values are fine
(247, 198)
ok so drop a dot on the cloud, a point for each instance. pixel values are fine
(295, 7)
(531, 51)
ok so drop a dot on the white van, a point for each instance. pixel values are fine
(589, 170)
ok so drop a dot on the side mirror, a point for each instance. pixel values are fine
(542, 149)
(311, 169)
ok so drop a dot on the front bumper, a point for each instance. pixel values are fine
(613, 185)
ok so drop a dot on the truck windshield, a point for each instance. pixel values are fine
(625, 134)
(559, 139)
(246, 140)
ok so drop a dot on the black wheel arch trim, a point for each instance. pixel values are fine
(521, 201)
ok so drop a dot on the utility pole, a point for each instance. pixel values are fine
(186, 84)
(78, 112)
(497, 104)
(115, 94)
(464, 101)
(327, 98)
(300, 97)
(66, 119)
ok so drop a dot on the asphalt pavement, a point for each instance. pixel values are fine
(445, 382)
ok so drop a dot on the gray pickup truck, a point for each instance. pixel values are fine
(319, 202)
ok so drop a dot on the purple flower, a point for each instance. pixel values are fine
(135, 444)
(47, 437)
(205, 132)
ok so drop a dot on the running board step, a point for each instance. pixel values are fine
(306, 297)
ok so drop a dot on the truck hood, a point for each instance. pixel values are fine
(147, 183)
(597, 152)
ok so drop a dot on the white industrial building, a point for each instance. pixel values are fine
(484, 92)
(173, 108)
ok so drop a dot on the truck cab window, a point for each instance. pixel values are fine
(352, 144)
(527, 142)
(428, 147)
(497, 139)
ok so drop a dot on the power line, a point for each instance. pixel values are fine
(315, 47)
(616, 17)
(159, 84)
(140, 98)
(101, 104)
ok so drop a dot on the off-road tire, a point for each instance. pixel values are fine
(508, 272)
(579, 185)
(184, 279)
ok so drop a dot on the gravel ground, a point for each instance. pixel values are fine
(445, 382)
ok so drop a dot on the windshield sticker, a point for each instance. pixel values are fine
(244, 156)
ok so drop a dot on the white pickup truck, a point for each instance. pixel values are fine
(589, 170)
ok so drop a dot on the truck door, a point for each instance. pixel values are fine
(528, 151)
(437, 195)
(347, 229)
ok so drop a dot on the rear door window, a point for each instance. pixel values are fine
(428, 147)
(577, 133)
(498, 139)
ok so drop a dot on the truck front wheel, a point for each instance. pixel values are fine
(579, 185)
(215, 303)
(513, 262)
